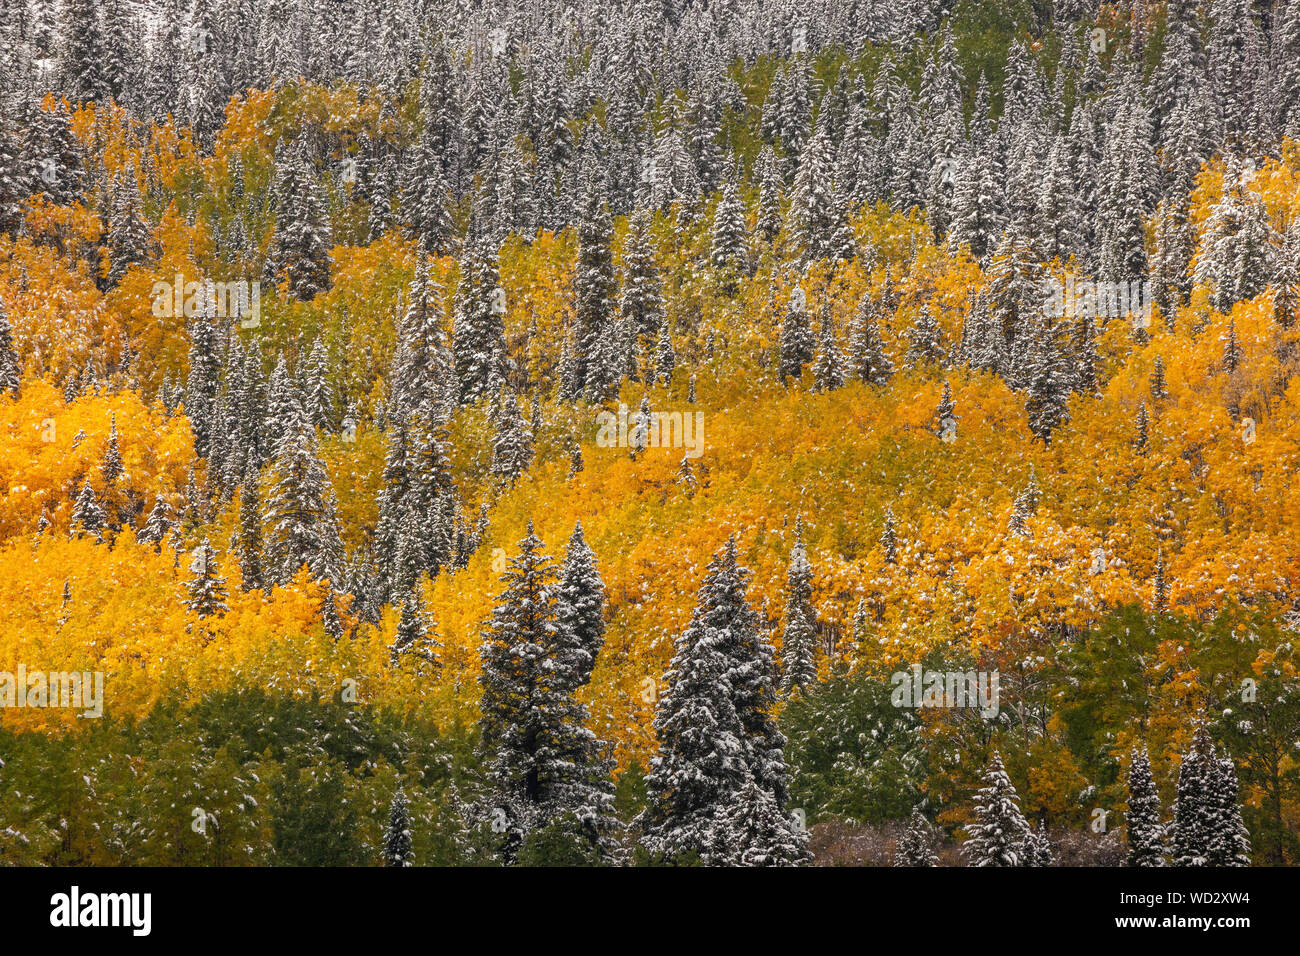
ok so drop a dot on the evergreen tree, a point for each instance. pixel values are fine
(665, 357)
(301, 243)
(1229, 842)
(924, 341)
(916, 846)
(594, 294)
(1038, 847)
(728, 252)
(757, 833)
(945, 415)
(478, 337)
(546, 768)
(397, 837)
(797, 343)
(867, 359)
(799, 642)
(828, 369)
(300, 513)
(1145, 832)
(87, 514)
(1194, 812)
(206, 591)
(415, 637)
(714, 725)
(250, 535)
(10, 369)
(999, 833)
(512, 449)
(159, 525)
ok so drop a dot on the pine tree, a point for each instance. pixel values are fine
(1145, 832)
(415, 637)
(1229, 841)
(916, 846)
(1142, 440)
(799, 642)
(85, 54)
(579, 612)
(512, 448)
(1194, 819)
(665, 357)
(828, 369)
(1231, 349)
(924, 341)
(300, 513)
(728, 252)
(757, 833)
(397, 837)
(594, 293)
(203, 384)
(301, 243)
(945, 415)
(546, 768)
(206, 591)
(1160, 584)
(867, 359)
(250, 535)
(478, 336)
(889, 538)
(714, 724)
(797, 343)
(1038, 847)
(998, 835)
(10, 369)
(1047, 402)
(87, 514)
(159, 525)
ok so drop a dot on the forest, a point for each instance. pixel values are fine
(649, 433)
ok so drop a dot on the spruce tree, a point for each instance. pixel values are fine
(867, 359)
(799, 641)
(250, 534)
(87, 514)
(415, 638)
(594, 294)
(757, 832)
(1145, 832)
(512, 448)
(916, 846)
(206, 591)
(924, 341)
(828, 369)
(1194, 811)
(300, 513)
(1229, 841)
(998, 835)
(797, 343)
(478, 337)
(1038, 847)
(10, 370)
(397, 836)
